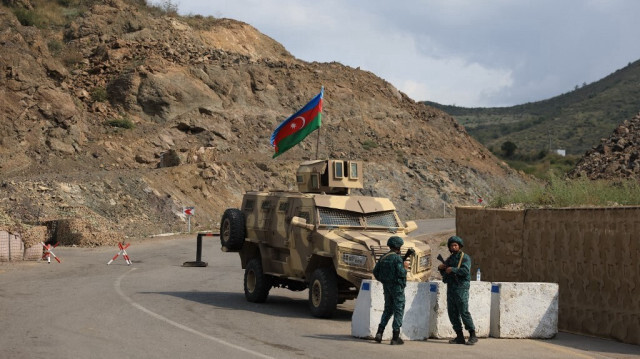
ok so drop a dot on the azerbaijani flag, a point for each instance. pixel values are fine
(298, 126)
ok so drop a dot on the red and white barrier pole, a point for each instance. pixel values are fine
(123, 252)
(48, 252)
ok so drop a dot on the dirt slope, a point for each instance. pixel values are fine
(203, 102)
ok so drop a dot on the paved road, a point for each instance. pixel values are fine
(156, 308)
(426, 226)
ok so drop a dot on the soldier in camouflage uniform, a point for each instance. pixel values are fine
(456, 273)
(392, 272)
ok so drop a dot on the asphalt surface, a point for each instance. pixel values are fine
(156, 308)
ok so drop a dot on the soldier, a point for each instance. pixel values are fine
(456, 273)
(392, 272)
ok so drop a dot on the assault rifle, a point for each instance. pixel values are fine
(443, 262)
(410, 252)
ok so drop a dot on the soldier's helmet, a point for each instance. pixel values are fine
(455, 239)
(395, 242)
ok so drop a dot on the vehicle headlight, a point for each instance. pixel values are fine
(355, 260)
(424, 261)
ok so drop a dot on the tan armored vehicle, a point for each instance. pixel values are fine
(319, 238)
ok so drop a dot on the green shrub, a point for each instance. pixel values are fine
(55, 47)
(72, 58)
(99, 94)
(45, 14)
(369, 145)
(200, 22)
(27, 17)
(164, 7)
(123, 122)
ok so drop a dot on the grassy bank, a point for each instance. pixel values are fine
(559, 192)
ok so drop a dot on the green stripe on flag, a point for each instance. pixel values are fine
(292, 140)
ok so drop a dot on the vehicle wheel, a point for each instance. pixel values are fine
(232, 229)
(323, 292)
(256, 284)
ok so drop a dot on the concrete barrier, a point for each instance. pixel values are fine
(479, 307)
(524, 310)
(370, 305)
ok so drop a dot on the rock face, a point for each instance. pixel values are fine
(616, 157)
(136, 115)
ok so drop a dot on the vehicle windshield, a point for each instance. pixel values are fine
(339, 217)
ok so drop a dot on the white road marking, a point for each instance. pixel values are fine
(178, 325)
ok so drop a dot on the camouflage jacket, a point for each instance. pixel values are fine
(459, 277)
(390, 270)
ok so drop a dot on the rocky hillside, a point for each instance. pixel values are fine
(124, 117)
(616, 157)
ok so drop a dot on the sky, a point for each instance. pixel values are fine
(471, 53)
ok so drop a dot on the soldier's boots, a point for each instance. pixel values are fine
(378, 337)
(472, 338)
(396, 340)
(459, 339)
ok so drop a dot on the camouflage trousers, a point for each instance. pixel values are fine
(458, 308)
(393, 306)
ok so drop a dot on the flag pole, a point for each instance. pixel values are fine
(318, 142)
(319, 128)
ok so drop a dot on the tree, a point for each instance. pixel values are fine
(508, 148)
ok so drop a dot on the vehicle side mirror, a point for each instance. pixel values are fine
(302, 223)
(410, 226)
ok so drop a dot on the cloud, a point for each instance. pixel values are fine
(467, 52)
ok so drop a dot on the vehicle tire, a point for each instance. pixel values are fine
(232, 229)
(323, 292)
(256, 284)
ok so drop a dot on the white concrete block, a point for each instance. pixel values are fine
(370, 305)
(524, 310)
(479, 307)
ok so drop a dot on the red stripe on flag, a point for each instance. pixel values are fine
(288, 130)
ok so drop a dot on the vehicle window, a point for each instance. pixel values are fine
(382, 219)
(339, 169)
(305, 215)
(337, 217)
(353, 170)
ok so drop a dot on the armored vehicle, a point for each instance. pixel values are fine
(321, 237)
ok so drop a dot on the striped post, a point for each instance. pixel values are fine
(123, 252)
(48, 252)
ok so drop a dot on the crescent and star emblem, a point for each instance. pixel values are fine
(294, 124)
